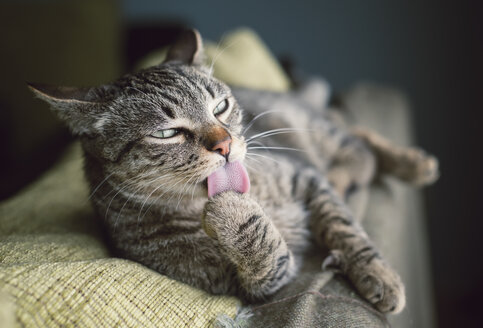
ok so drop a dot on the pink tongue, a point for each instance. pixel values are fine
(232, 176)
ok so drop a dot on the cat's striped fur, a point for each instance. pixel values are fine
(151, 193)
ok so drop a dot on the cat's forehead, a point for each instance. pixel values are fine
(175, 90)
(182, 79)
(179, 84)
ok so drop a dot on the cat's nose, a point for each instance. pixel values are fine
(222, 147)
(218, 140)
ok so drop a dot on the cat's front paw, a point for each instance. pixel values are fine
(379, 284)
(226, 212)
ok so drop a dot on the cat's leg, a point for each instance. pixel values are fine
(409, 164)
(352, 166)
(350, 172)
(333, 226)
(251, 241)
(362, 153)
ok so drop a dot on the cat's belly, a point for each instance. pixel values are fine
(292, 222)
(272, 188)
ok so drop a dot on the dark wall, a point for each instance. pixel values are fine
(429, 49)
(56, 42)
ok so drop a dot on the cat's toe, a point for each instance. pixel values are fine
(425, 168)
(371, 288)
(393, 300)
(334, 261)
(430, 170)
(381, 286)
(207, 223)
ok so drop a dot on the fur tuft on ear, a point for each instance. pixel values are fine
(188, 49)
(58, 93)
(77, 107)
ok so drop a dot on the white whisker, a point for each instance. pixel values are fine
(193, 190)
(131, 195)
(183, 190)
(216, 53)
(255, 154)
(251, 167)
(125, 184)
(98, 186)
(147, 184)
(278, 148)
(277, 131)
(250, 124)
(219, 54)
(149, 196)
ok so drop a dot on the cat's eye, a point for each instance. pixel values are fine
(221, 107)
(164, 134)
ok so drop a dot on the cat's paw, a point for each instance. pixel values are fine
(334, 261)
(380, 285)
(422, 168)
(225, 212)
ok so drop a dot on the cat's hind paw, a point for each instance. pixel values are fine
(415, 166)
(423, 168)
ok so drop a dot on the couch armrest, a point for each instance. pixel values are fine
(395, 215)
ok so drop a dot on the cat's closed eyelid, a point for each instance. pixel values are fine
(177, 138)
(223, 109)
(180, 124)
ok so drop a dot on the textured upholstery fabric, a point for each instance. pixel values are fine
(56, 272)
(316, 299)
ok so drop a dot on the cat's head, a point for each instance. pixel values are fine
(164, 128)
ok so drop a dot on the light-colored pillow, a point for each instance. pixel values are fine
(240, 59)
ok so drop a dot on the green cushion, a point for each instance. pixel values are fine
(240, 59)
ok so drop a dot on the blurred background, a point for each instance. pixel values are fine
(431, 50)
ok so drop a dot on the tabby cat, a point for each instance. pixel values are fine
(166, 157)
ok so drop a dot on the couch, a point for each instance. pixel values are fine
(56, 271)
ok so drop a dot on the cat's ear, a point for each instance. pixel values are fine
(77, 107)
(187, 49)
